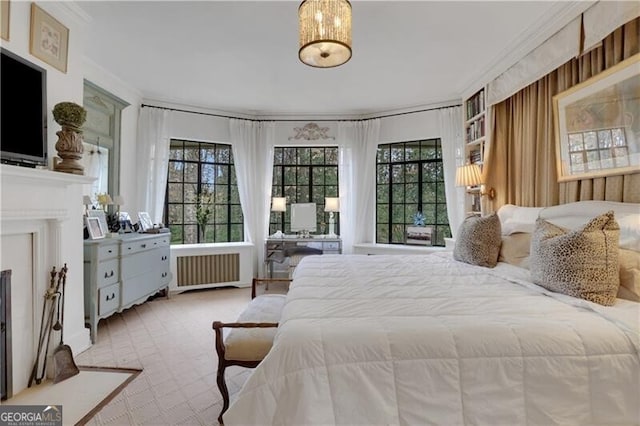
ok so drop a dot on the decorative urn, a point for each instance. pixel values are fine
(71, 117)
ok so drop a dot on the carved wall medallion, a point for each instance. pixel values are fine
(311, 132)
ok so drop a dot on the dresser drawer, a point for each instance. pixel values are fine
(107, 251)
(332, 245)
(108, 299)
(108, 273)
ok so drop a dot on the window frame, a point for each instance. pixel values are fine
(217, 227)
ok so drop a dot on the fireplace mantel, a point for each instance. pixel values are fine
(45, 206)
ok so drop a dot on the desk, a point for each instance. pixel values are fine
(275, 248)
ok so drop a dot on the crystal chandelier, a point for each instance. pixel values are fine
(325, 32)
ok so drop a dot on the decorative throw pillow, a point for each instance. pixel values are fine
(629, 275)
(580, 263)
(478, 241)
(515, 249)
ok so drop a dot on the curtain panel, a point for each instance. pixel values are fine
(153, 160)
(452, 157)
(252, 144)
(521, 159)
(358, 144)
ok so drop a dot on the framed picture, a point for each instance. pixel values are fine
(125, 222)
(598, 124)
(5, 19)
(95, 229)
(419, 235)
(102, 217)
(145, 221)
(49, 39)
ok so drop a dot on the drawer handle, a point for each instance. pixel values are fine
(108, 275)
(113, 296)
(164, 258)
(143, 245)
(164, 274)
(110, 251)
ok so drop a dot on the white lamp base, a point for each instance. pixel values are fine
(331, 233)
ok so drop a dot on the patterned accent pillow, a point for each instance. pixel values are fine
(478, 241)
(580, 263)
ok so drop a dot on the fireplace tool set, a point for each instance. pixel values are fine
(65, 366)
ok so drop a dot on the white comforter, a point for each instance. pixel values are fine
(427, 340)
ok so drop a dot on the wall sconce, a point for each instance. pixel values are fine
(278, 204)
(331, 205)
(470, 175)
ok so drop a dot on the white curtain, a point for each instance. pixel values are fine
(358, 143)
(253, 144)
(153, 160)
(452, 157)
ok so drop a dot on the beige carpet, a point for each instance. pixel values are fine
(81, 396)
(173, 342)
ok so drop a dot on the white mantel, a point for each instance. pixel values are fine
(46, 207)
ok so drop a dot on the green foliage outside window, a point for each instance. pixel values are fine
(410, 191)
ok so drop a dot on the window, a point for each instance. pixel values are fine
(202, 185)
(304, 175)
(410, 180)
(594, 150)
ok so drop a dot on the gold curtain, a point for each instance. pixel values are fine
(521, 159)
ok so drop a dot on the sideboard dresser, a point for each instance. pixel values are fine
(123, 271)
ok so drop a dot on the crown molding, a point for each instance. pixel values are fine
(547, 25)
(70, 9)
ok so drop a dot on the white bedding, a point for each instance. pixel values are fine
(427, 340)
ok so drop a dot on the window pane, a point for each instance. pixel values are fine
(383, 155)
(175, 171)
(331, 156)
(383, 174)
(277, 156)
(191, 172)
(317, 155)
(190, 193)
(331, 175)
(411, 193)
(190, 234)
(382, 233)
(175, 213)
(191, 151)
(382, 213)
(223, 154)
(175, 192)
(397, 234)
(208, 173)
(208, 153)
(397, 213)
(383, 194)
(304, 156)
(303, 175)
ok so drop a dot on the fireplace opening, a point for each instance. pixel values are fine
(5, 339)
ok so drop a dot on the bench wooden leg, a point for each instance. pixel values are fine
(222, 385)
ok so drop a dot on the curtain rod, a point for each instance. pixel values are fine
(294, 120)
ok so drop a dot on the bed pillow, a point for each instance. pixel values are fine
(580, 263)
(478, 241)
(515, 249)
(629, 275)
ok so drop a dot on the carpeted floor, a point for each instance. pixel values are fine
(172, 341)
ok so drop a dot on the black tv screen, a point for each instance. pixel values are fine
(23, 111)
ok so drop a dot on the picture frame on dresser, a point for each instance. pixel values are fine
(96, 231)
(145, 221)
(102, 217)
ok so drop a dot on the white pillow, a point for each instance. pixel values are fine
(575, 215)
(516, 219)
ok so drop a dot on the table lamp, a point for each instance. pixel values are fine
(331, 205)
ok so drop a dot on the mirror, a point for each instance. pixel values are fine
(101, 133)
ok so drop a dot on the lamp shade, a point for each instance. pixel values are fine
(468, 175)
(86, 200)
(278, 204)
(325, 32)
(332, 204)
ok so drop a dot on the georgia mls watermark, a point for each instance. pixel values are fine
(30, 415)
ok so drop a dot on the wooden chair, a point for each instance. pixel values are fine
(250, 338)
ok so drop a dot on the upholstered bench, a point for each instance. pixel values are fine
(249, 339)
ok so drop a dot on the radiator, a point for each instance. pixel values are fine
(208, 269)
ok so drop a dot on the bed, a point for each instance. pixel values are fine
(427, 339)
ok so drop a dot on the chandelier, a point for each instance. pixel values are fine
(325, 32)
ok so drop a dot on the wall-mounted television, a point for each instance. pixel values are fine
(23, 111)
(303, 217)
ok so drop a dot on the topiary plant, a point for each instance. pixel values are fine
(69, 114)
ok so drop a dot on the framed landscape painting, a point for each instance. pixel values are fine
(598, 124)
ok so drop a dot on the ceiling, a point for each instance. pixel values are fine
(242, 57)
